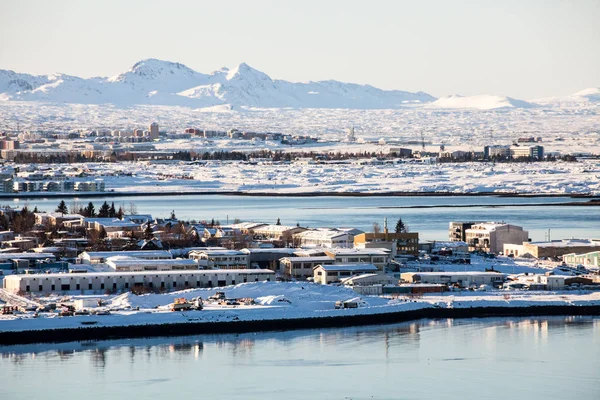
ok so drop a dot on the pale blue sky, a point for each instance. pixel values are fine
(523, 49)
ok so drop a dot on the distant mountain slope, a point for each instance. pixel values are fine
(481, 102)
(154, 81)
(591, 95)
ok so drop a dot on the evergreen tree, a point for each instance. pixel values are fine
(111, 211)
(103, 235)
(401, 226)
(62, 208)
(120, 213)
(278, 222)
(104, 211)
(90, 210)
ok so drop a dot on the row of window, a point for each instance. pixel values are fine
(67, 287)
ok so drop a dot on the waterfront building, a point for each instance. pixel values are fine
(456, 231)
(115, 281)
(492, 236)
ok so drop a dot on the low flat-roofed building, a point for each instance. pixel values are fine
(220, 259)
(122, 263)
(277, 232)
(326, 274)
(97, 257)
(378, 257)
(464, 279)
(591, 259)
(325, 237)
(301, 268)
(116, 281)
(558, 248)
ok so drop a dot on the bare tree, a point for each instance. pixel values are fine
(376, 228)
(132, 208)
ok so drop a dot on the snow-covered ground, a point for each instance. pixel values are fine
(279, 300)
(582, 177)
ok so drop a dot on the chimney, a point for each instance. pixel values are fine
(385, 229)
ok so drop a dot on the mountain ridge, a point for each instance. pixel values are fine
(158, 82)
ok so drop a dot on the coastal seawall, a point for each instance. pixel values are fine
(198, 328)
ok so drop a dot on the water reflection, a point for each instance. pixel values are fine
(406, 335)
(447, 359)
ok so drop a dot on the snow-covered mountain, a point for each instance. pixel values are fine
(591, 95)
(154, 81)
(481, 102)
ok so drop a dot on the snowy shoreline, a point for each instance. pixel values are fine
(192, 327)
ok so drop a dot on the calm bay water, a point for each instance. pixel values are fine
(362, 212)
(532, 358)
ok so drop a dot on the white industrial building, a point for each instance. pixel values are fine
(324, 237)
(115, 281)
(220, 259)
(124, 263)
(98, 257)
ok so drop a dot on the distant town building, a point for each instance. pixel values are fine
(153, 131)
(533, 152)
(492, 236)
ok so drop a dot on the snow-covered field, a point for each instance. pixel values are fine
(279, 300)
(582, 177)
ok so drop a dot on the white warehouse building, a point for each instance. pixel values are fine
(99, 281)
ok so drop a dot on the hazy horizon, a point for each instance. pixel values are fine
(536, 49)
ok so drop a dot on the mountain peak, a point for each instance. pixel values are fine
(244, 70)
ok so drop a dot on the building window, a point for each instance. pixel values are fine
(102, 286)
(53, 287)
(65, 286)
(41, 288)
(27, 289)
(90, 286)
(126, 285)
